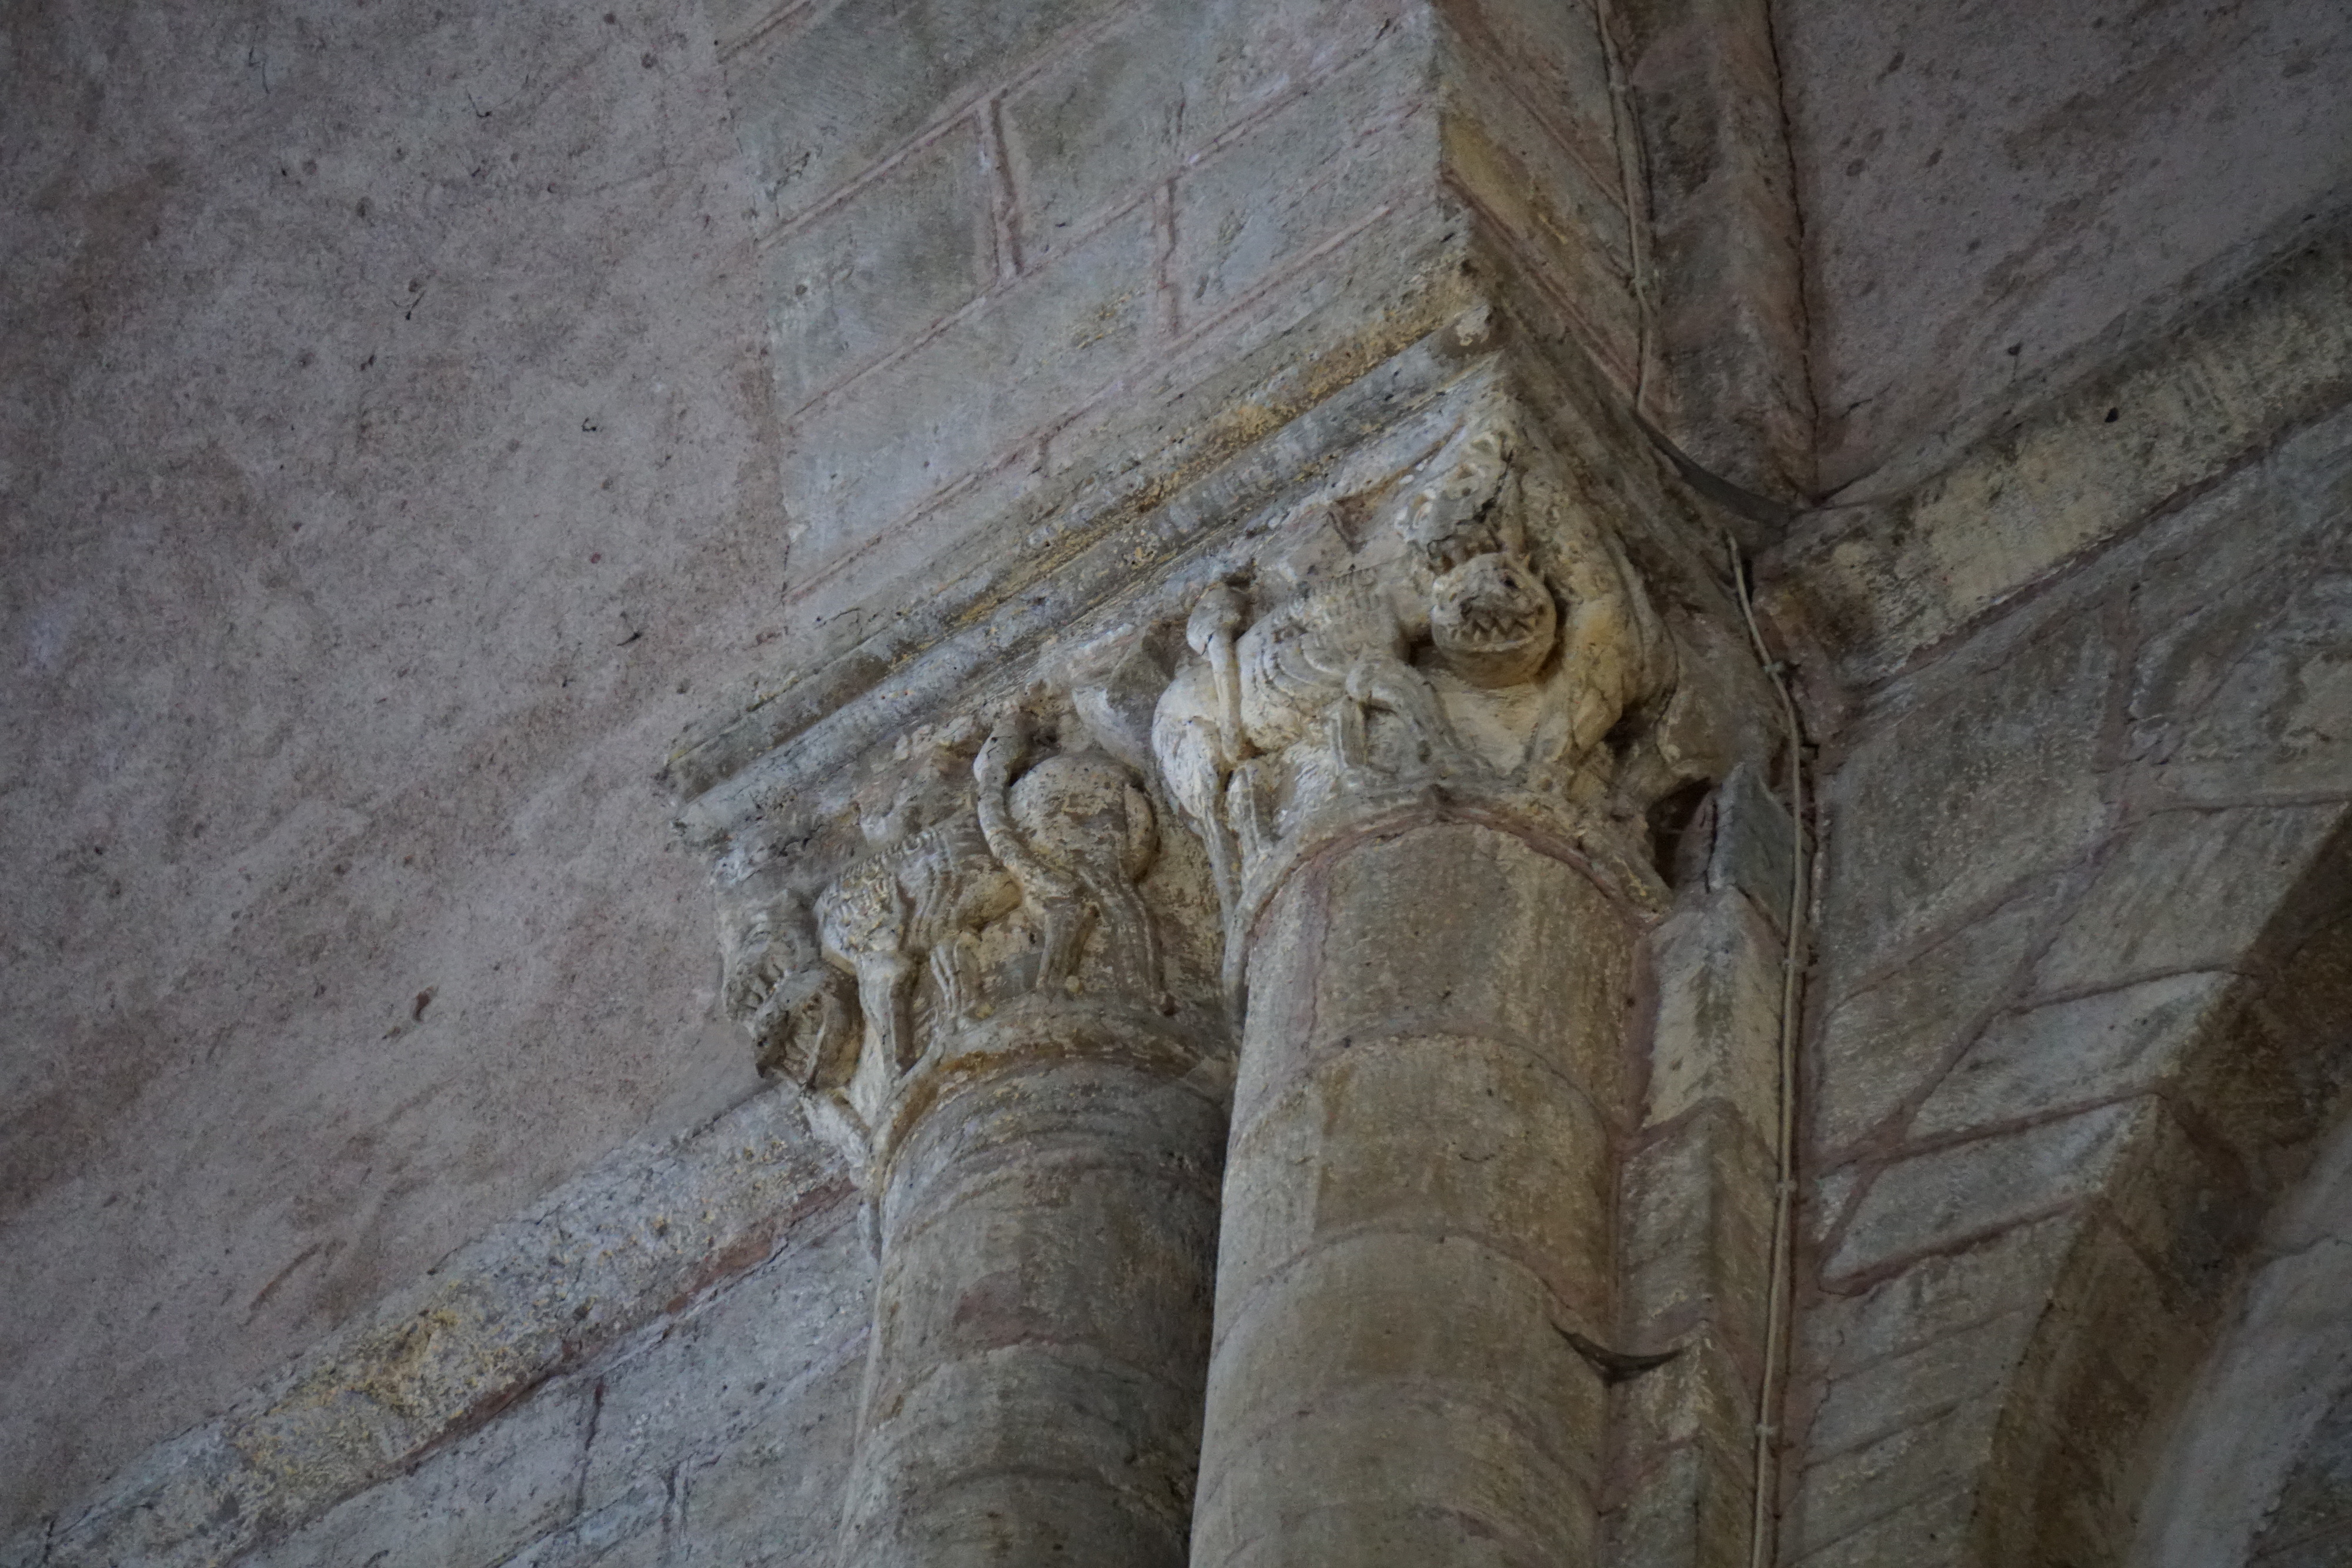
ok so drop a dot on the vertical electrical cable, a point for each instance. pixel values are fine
(1781, 1288)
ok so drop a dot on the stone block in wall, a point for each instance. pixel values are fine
(750, 1401)
(1729, 382)
(871, 452)
(1963, 790)
(1107, 121)
(1754, 849)
(871, 274)
(1543, 170)
(1877, 1048)
(1512, 1149)
(1934, 1299)
(1885, 1395)
(2121, 1339)
(1689, 1509)
(1942, 1197)
(1847, 1493)
(1918, 1530)
(627, 1532)
(2032, 1060)
(1703, 1394)
(2184, 889)
(1695, 1206)
(2276, 719)
(473, 1502)
(818, 99)
(1322, 166)
(776, 1499)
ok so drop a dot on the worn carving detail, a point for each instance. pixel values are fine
(1487, 636)
(924, 896)
(1078, 834)
(797, 1010)
(999, 873)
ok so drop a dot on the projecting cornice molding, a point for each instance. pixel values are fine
(1460, 543)
(1877, 584)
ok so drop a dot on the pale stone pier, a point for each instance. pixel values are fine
(1041, 1322)
(1417, 1209)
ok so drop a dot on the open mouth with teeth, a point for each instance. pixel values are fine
(1490, 601)
(1495, 610)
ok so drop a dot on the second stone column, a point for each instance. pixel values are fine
(1416, 1211)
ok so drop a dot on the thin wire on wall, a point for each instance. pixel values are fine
(1781, 1286)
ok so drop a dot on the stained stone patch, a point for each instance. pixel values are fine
(1971, 1362)
(1936, 1298)
(2008, 761)
(1846, 1492)
(2184, 890)
(862, 279)
(2075, 1052)
(1879, 1047)
(1930, 1529)
(1948, 1194)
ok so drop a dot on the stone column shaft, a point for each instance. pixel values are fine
(1416, 1211)
(1048, 1219)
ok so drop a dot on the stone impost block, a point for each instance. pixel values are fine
(1695, 1207)
(1689, 1509)
(1718, 1030)
(1754, 846)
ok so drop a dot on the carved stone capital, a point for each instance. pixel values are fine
(1452, 591)
(1001, 881)
(1467, 634)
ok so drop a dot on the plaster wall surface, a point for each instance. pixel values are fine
(385, 475)
(1987, 187)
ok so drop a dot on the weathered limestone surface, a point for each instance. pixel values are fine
(2257, 1471)
(543, 1377)
(1991, 190)
(1042, 1326)
(2188, 406)
(385, 475)
(1418, 1211)
(1203, 515)
(2076, 960)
